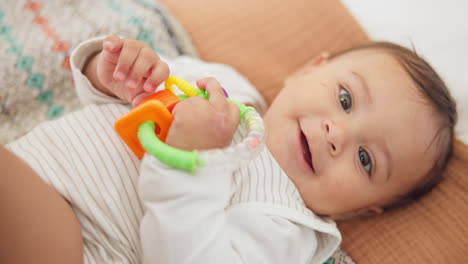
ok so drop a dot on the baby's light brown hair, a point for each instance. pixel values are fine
(436, 94)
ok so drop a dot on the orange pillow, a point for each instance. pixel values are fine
(265, 40)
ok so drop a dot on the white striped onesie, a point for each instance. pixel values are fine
(231, 211)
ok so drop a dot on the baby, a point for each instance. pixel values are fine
(364, 131)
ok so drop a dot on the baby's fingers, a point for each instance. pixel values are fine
(139, 97)
(218, 100)
(159, 73)
(217, 95)
(110, 53)
(112, 44)
(143, 66)
(128, 55)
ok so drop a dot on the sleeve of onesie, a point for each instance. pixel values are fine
(186, 219)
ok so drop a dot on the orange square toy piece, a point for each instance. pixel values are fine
(157, 108)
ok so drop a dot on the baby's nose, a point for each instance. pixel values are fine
(334, 136)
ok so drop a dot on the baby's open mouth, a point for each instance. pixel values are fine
(306, 151)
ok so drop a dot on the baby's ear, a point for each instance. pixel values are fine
(318, 60)
(310, 65)
(374, 210)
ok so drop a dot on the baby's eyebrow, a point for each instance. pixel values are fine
(364, 85)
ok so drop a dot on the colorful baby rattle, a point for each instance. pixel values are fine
(145, 128)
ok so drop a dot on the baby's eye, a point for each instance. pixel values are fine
(345, 99)
(365, 160)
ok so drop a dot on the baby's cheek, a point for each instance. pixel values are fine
(350, 189)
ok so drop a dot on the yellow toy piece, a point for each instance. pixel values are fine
(182, 84)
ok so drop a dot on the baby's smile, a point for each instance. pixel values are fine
(305, 153)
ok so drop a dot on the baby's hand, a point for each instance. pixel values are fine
(204, 124)
(130, 69)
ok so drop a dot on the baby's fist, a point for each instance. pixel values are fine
(204, 124)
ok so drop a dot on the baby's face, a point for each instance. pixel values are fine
(352, 133)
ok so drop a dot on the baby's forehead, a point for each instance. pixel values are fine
(367, 56)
